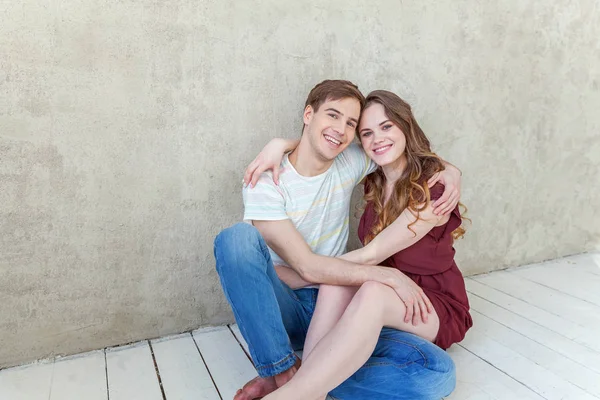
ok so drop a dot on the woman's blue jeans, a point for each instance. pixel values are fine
(274, 320)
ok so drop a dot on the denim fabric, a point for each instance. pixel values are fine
(403, 366)
(274, 320)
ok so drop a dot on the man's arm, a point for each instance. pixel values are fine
(286, 241)
(283, 237)
(269, 158)
(451, 178)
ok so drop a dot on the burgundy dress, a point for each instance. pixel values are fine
(430, 263)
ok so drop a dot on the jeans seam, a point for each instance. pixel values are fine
(425, 360)
(276, 363)
(234, 309)
(378, 364)
(252, 353)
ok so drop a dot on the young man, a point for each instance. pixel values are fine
(270, 269)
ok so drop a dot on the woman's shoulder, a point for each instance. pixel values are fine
(435, 192)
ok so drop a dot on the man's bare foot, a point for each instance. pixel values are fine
(260, 387)
(283, 378)
(256, 388)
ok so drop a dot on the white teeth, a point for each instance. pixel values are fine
(382, 149)
(332, 140)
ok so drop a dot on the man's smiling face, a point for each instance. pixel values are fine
(332, 127)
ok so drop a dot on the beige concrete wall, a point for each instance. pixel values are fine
(125, 127)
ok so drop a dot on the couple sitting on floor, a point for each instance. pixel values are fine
(373, 322)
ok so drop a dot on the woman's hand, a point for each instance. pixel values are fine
(269, 159)
(451, 179)
(418, 305)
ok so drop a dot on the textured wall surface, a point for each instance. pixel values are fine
(125, 127)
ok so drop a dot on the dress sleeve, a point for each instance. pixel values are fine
(455, 220)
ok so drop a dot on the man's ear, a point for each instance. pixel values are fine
(308, 114)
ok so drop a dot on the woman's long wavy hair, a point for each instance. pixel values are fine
(411, 189)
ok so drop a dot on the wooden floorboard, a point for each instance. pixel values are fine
(556, 323)
(537, 333)
(534, 376)
(535, 336)
(476, 379)
(182, 370)
(561, 279)
(228, 364)
(31, 382)
(80, 377)
(564, 368)
(131, 373)
(238, 335)
(574, 310)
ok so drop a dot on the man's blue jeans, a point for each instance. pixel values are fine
(274, 320)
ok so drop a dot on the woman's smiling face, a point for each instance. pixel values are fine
(381, 139)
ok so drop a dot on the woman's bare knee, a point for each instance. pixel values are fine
(336, 293)
(369, 299)
(372, 290)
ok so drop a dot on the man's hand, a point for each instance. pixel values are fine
(451, 179)
(418, 305)
(269, 159)
(285, 240)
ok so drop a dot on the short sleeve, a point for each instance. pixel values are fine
(265, 201)
(436, 191)
(358, 164)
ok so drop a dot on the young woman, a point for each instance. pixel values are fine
(400, 230)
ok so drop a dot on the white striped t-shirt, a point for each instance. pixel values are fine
(319, 206)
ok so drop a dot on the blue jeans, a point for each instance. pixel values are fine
(274, 320)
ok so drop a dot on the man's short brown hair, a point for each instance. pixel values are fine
(329, 90)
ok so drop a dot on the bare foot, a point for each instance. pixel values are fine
(283, 378)
(256, 388)
(260, 387)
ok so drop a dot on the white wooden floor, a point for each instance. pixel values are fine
(536, 336)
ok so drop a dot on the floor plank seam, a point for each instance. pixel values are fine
(574, 340)
(206, 365)
(51, 381)
(106, 375)
(162, 390)
(504, 373)
(531, 304)
(240, 343)
(535, 341)
(558, 290)
(538, 264)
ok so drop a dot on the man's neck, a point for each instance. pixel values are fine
(306, 161)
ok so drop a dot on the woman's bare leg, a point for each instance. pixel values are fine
(331, 304)
(350, 343)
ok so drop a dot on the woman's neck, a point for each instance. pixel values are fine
(393, 171)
